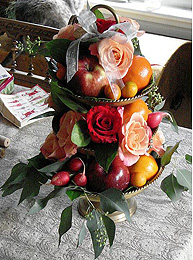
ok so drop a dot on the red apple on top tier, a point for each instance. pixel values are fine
(98, 180)
(90, 79)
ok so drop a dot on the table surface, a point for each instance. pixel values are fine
(159, 229)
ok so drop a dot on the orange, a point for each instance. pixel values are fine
(139, 72)
(143, 170)
(115, 94)
(129, 90)
(137, 106)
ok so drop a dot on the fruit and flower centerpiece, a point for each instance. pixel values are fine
(105, 146)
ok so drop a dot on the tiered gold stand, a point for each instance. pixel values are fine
(83, 205)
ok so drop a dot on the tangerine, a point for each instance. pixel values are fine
(139, 72)
(143, 170)
(114, 93)
(129, 90)
(137, 106)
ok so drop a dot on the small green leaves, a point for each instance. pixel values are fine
(184, 178)
(105, 154)
(110, 228)
(74, 194)
(31, 184)
(18, 174)
(82, 235)
(159, 106)
(54, 167)
(79, 135)
(98, 14)
(113, 200)
(188, 158)
(170, 119)
(97, 231)
(168, 154)
(57, 49)
(172, 188)
(63, 96)
(65, 222)
(41, 203)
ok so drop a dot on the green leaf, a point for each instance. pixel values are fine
(188, 158)
(74, 194)
(54, 167)
(105, 154)
(159, 106)
(94, 227)
(110, 228)
(172, 188)
(32, 183)
(17, 176)
(46, 114)
(170, 119)
(184, 178)
(137, 49)
(112, 200)
(98, 14)
(168, 154)
(12, 188)
(41, 203)
(62, 95)
(57, 49)
(79, 135)
(38, 161)
(65, 222)
(82, 235)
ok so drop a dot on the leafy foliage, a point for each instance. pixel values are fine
(79, 135)
(105, 154)
(57, 49)
(41, 203)
(65, 221)
(170, 119)
(168, 154)
(60, 95)
(172, 188)
(112, 200)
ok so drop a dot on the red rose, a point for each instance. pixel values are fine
(103, 123)
(103, 25)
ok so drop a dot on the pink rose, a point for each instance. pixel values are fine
(131, 21)
(158, 141)
(67, 32)
(51, 149)
(67, 122)
(135, 139)
(115, 54)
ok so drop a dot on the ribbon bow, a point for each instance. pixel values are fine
(87, 21)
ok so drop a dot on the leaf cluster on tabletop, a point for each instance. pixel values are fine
(101, 150)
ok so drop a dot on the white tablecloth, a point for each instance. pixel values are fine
(159, 229)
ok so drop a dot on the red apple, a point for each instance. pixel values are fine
(98, 180)
(90, 79)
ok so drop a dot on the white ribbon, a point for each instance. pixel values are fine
(87, 21)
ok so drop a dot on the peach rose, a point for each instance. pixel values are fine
(135, 141)
(67, 122)
(158, 141)
(51, 149)
(67, 32)
(115, 54)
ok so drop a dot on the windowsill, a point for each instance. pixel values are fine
(169, 21)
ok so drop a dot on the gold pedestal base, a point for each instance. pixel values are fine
(117, 216)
